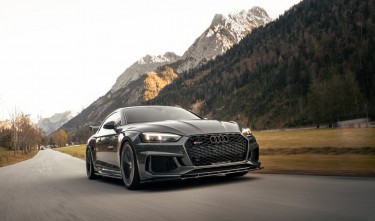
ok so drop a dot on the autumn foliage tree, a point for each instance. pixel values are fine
(155, 82)
(24, 134)
(5, 135)
(60, 138)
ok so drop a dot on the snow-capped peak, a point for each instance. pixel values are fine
(222, 34)
(152, 59)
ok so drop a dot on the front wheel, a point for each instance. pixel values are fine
(90, 170)
(129, 168)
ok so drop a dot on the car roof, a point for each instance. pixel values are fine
(148, 106)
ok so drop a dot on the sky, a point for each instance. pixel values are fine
(59, 55)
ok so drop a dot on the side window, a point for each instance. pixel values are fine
(115, 117)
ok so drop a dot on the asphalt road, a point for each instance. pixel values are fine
(53, 186)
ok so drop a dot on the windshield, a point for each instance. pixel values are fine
(157, 113)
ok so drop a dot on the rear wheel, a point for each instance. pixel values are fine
(236, 174)
(129, 168)
(90, 170)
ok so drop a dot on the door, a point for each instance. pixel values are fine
(106, 141)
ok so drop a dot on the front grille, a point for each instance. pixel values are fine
(207, 149)
(162, 164)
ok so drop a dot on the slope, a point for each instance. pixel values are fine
(313, 65)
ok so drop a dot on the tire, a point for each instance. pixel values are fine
(236, 174)
(129, 167)
(90, 170)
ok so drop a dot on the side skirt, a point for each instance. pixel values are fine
(109, 172)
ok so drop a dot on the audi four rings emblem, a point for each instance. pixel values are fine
(219, 139)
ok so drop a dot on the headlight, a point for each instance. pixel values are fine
(159, 137)
(246, 131)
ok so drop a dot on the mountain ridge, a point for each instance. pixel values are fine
(50, 124)
(223, 32)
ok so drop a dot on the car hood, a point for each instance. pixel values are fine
(186, 127)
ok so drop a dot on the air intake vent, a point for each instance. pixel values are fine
(161, 164)
(254, 154)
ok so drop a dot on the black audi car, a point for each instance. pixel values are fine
(153, 143)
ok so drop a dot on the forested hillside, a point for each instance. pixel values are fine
(313, 65)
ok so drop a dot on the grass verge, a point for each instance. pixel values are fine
(348, 137)
(7, 157)
(75, 151)
(346, 152)
(319, 164)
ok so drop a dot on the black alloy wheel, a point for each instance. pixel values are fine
(90, 170)
(129, 167)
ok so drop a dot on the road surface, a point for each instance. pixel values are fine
(53, 186)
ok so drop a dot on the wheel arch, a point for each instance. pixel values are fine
(123, 141)
(127, 137)
(90, 144)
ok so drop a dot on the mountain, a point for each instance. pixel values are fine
(147, 77)
(224, 32)
(128, 90)
(313, 65)
(141, 67)
(49, 125)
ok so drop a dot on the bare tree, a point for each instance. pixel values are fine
(14, 120)
(25, 135)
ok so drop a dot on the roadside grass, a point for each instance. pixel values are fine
(75, 151)
(349, 151)
(7, 157)
(319, 164)
(349, 137)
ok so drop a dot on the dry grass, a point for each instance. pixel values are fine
(353, 137)
(318, 151)
(345, 165)
(7, 157)
(75, 151)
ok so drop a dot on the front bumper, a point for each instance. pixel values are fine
(170, 161)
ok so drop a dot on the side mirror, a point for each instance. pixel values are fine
(110, 125)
